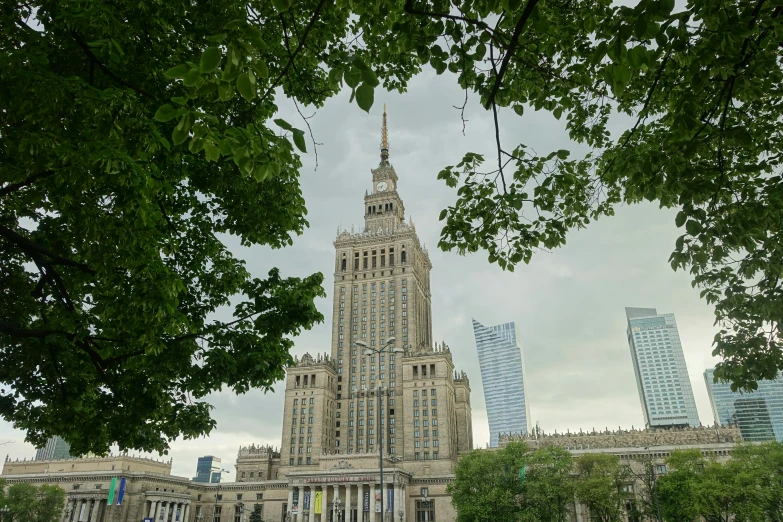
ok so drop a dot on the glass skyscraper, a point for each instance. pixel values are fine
(659, 364)
(207, 469)
(758, 414)
(56, 448)
(503, 375)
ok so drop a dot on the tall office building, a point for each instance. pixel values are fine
(56, 448)
(659, 364)
(758, 414)
(207, 469)
(503, 374)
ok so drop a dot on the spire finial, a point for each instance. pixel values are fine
(384, 140)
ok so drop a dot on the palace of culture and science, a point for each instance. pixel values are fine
(327, 467)
(386, 391)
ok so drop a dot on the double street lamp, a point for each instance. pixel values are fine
(4, 513)
(366, 350)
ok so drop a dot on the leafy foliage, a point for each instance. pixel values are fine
(702, 84)
(487, 486)
(746, 488)
(28, 503)
(601, 486)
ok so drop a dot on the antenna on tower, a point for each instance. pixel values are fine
(384, 140)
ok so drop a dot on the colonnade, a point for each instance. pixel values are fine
(93, 509)
(350, 505)
(165, 510)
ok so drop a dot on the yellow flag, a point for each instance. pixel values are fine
(317, 506)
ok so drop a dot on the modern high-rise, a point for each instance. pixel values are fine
(661, 374)
(56, 448)
(758, 414)
(503, 375)
(207, 469)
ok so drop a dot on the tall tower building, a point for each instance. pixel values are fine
(659, 364)
(758, 414)
(346, 410)
(56, 448)
(503, 374)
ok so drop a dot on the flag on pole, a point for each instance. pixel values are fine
(112, 488)
(121, 494)
(522, 472)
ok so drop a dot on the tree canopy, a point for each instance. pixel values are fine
(28, 503)
(488, 485)
(135, 135)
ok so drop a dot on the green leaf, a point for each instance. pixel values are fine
(217, 38)
(353, 77)
(192, 77)
(177, 72)
(443, 214)
(179, 136)
(225, 91)
(210, 59)
(693, 227)
(680, 219)
(211, 151)
(180, 100)
(165, 113)
(282, 5)
(368, 77)
(283, 124)
(246, 87)
(519, 109)
(261, 69)
(299, 141)
(260, 172)
(563, 154)
(365, 95)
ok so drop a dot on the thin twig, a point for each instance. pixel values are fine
(312, 137)
(299, 47)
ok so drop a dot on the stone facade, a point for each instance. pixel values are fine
(632, 438)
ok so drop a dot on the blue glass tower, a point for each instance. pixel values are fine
(207, 469)
(659, 364)
(758, 414)
(503, 375)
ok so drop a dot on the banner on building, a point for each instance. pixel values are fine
(366, 501)
(112, 490)
(306, 506)
(390, 500)
(295, 502)
(121, 494)
(81, 513)
(177, 514)
(317, 505)
(378, 502)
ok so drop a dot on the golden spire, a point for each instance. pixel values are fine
(384, 140)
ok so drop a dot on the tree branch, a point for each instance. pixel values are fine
(511, 47)
(94, 59)
(32, 248)
(13, 187)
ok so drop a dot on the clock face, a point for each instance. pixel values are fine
(382, 186)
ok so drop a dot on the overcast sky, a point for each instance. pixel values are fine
(568, 304)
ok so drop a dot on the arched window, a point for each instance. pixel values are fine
(391, 206)
(344, 265)
(403, 258)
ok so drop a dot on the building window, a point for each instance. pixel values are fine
(425, 511)
(217, 514)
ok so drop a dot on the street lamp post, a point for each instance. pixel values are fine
(220, 485)
(366, 350)
(4, 512)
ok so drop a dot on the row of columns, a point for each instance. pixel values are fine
(161, 510)
(346, 500)
(93, 510)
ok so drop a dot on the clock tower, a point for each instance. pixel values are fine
(383, 208)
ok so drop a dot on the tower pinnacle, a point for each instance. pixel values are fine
(384, 140)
